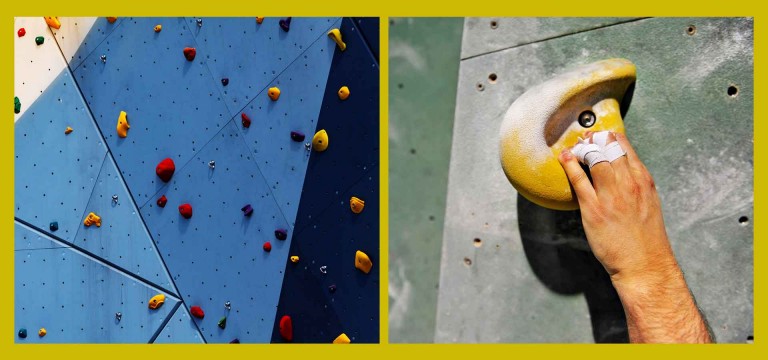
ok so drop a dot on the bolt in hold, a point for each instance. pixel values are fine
(587, 119)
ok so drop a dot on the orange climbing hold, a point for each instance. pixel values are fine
(92, 219)
(356, 204)
(197, 312)
(158, 28)
(286, 328)
(343, 93)
(342, 339)
(53, 21)
(185, 210)
(122, 124)
(294, 259)
(111, 19)
(335, 34)
(165, 169)
(68, 130)
(189, 53)
(156, 301)
(362, 262)
(274, 93)
(259, 19)
(42, 332)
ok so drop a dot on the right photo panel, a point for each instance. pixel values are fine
(571, 180)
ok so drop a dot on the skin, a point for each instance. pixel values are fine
(622, 218)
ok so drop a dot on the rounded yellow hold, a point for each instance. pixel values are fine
(343, 93)
(294, 259)
(362, 262)
(122, 125)
(158, 28)
(545, 120)
(320, 141)
(92, 219)
(42, 332)
(156, 301)
(53, 21)
(273, 93)
(68, 130)
(342, 339)
(356, 204)
(335, 34)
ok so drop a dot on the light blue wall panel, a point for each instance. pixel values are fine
(179, 329)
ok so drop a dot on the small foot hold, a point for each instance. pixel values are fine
(154, 303)
(53, 21)
(343, 93)
(286, 328)
(197, 312)
(92, 219)
(165, 169)
(356, 204)
(162, 201)
(273, 93)
(285, 24)
(335, 34)
(122, 125)
(363, 262)
(342, 339)
(185, 210)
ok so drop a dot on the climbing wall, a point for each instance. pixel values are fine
(509, 272)
(189, 109)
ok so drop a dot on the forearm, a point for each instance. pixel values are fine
(661, 309)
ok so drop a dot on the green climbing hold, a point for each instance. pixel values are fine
(23, 333)
(16, 105)
(39, 40)
(223, 322)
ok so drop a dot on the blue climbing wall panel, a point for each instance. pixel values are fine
(75, 297)
(180, 109)
(327, 232)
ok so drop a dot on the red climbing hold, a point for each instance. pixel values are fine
(267, 246)
(21, 32)
(246, 120)
(162, 201)
(189, 53)
(185, 210)
(286, 328)
(197, 312)
(165, 169)
(281, 234)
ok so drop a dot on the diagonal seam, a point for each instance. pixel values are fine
(553, 37)
(164, 323)
(89, 53)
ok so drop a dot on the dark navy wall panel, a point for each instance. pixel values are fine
(122, 238)
(173, 105)
(54, 172)
(251, 55)
(217, 256)
(75, 298)
(283, 162)
(327, 232)
(369, 27)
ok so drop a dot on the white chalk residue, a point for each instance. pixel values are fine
(400, 293)
(730, 48)
(401, 50)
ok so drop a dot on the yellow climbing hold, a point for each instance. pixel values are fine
(294, 259)
(274, 93)
(122, 125)
(156, 301)
(362, 262)
(92, 219)
(335, 34)
(68, 130)
(111, 19)
(356, 204)
(53, 21)
(342, 339)
(158, 28)
(320, 141)
(41, 332)
(343, 93)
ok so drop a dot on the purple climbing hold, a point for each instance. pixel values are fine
(225, 81)
(281, 234)
(285, 24)
(247, 210)
(297, 136)
(235, 341)
(332, 289)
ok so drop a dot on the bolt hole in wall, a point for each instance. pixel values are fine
(733, 90)
(492, 78)
(690, 30)
(743, 221)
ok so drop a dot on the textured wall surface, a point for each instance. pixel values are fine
(508, 274)
(182, 110)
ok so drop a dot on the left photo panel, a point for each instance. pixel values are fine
(196, 180)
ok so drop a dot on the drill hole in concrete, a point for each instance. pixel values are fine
(690, 30)
(743, 221)
(494, 24)
(492, 78)
(733, 91)
(480, 87)
(477, 242)
(467, 261)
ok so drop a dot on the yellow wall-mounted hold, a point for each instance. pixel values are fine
(122, 125)
(111, 19)
(342, 339)
(53, 21)
(320, 141)
(259, 19)
(356, 204)
(68, 130)
(92, 219)
(335, 34)
(343, 93)
(156, 301)
(274, 93)
(294, 259)
(546, 119)
(42, 332)
(158, 28)
(363, 262)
